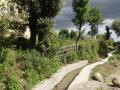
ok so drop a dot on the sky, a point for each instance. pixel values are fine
(110, 10)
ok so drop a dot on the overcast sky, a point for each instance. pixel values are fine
(110, 10)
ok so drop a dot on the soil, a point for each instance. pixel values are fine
(108, 72)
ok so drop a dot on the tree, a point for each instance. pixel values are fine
(116, 26)
(73, 34)
(81, 9)
(41, 16)
(94, 20)
(108, 33)
(64, 33)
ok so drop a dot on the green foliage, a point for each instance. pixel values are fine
(64, 33)
(94, 16)
(41, 16)
(37, 67)
(110, 44)
(40, 7)
(4, 25)
(65, 42)
(6, 37)
(105, 46)
(71, 58)
(116, 26)
(115, 59)
(103, 50)
(3, 55)
(12, 83)
(73, 34)
(29, 66)
(94, 20)
(81, 9)
(8, 75)
(88, 49)
(117, 45)
(100, 37)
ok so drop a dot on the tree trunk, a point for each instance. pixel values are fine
(78, 37)
(33, 27)
(33, 39)
(79, 34)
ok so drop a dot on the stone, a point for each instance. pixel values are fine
(98, 77)
(116, 65)
(116, 82)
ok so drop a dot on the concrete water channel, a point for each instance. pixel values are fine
(70, 76)
(74, 78)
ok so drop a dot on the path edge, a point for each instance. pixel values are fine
(49, 84)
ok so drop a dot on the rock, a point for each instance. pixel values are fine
(116, 82)
(98, 77)
(116, 65)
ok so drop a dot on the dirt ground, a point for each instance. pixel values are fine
(108, 72)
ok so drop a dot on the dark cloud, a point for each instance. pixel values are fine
(110, 10)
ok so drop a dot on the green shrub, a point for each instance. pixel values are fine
(105, 46)
(8, 74)
(12, 83)
(71, 58)
(116, 26)
(115, 59)
(88, 49)
(63, 34)
(73, 34)
(103, 50)
(110, 44)
(37, 67)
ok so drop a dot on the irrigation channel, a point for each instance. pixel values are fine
(74, 78)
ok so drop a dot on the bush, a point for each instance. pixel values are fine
(8, 74)
(105, 46)
(64, 33)
(88, 49)
(71, 58)
(20, 70)
(103, 50)
(37, 67)
(12, 83)
(116, 26)
(73, 35)
(117, 45)
(4, 25)
(115, 59)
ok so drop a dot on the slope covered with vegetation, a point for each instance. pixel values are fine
(25, 62)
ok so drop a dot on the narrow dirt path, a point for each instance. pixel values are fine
(83, 76)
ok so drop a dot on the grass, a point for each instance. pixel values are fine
(88, 50)
(115, 59)
(20, 70)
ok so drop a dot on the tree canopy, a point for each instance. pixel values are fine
(81, 9)
(64, 33)
(116, 26)
(41, 16)
(94, 20)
